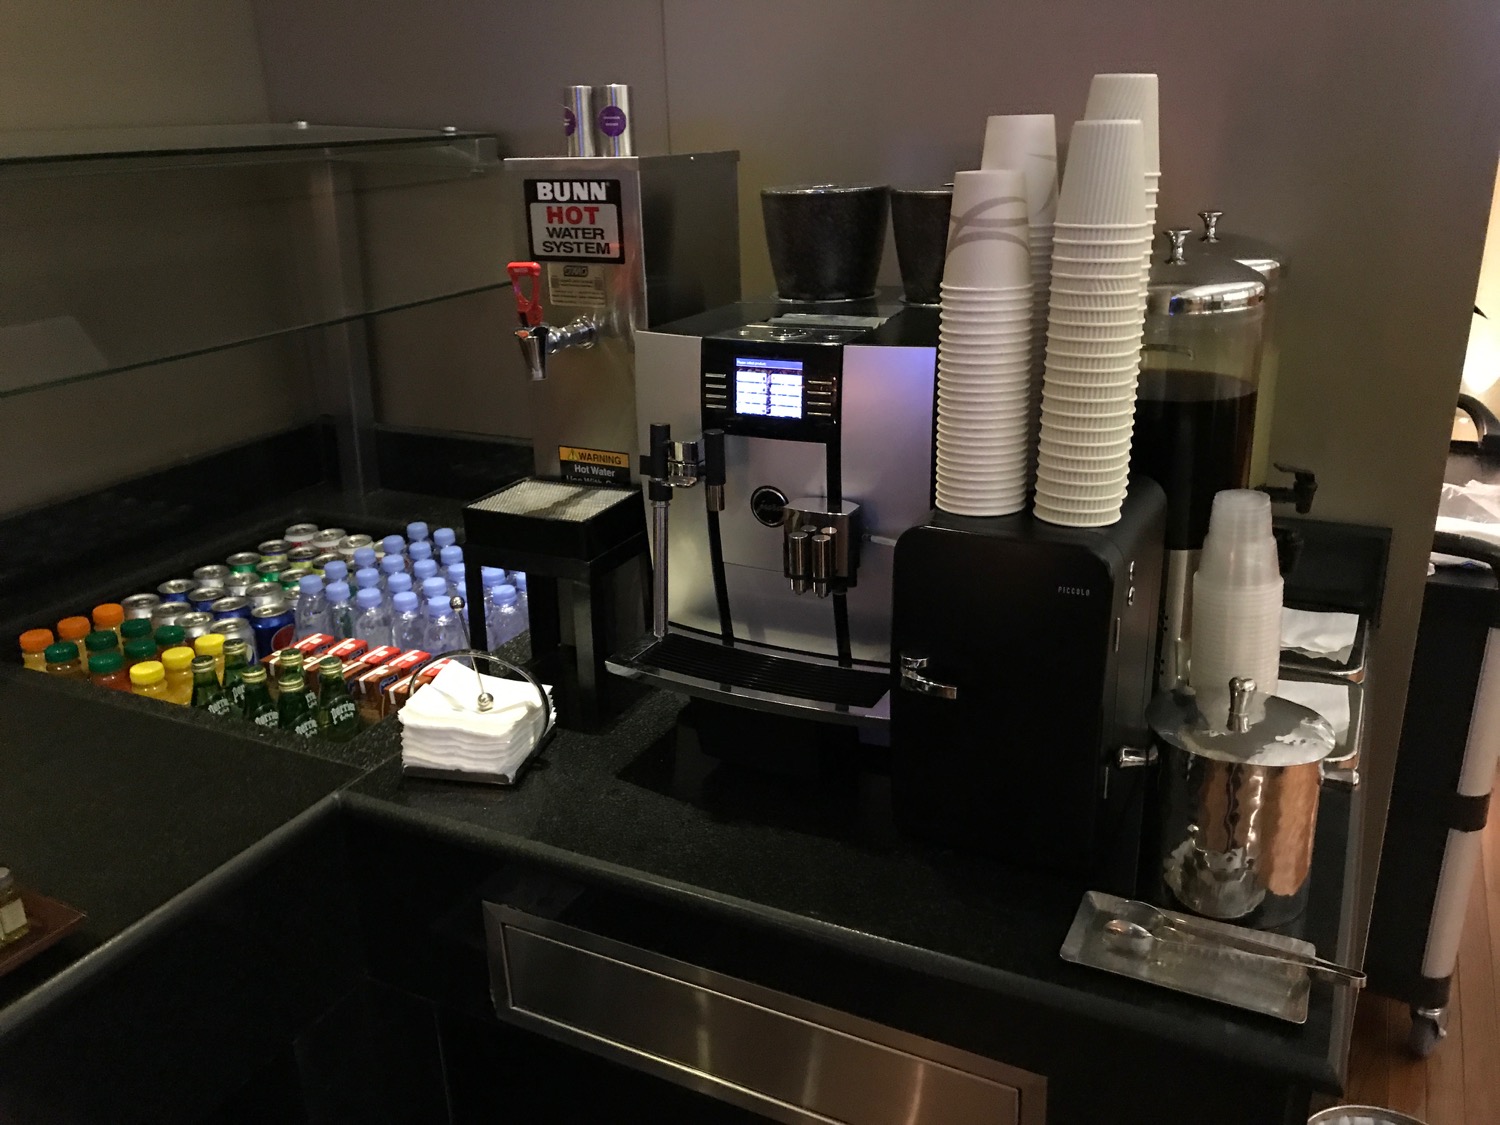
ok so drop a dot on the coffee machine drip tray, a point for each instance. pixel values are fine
(748, 676)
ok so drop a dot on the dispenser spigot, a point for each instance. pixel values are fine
(820, 549)
(1301, 492)
(537, 339)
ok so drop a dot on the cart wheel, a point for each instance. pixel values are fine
(1426, 1030)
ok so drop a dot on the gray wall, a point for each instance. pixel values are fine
(1360, 138)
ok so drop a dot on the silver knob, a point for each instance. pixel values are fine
(913, 680)
(1241, 692)
(1178, 237)
(1210, 225)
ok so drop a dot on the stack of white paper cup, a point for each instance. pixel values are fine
(1096, 315)
(1236, 602)
(1028, 142)
(984, 348)
(1132, 96)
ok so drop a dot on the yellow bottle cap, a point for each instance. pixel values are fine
(178, 659)
(210, 644)
(73, 628)
(147, 672)
(109, 615)
(36, 640)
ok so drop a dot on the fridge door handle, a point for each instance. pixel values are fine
(912, 679)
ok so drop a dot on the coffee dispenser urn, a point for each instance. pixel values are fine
(1195, 410)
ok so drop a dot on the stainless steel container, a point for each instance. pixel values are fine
(139, 605)
(614, 134)
(578, 119)
(1239, 804)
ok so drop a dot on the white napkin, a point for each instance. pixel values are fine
(1329, 700)
(1328, 636)
(443, 728)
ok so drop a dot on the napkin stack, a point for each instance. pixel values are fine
(442, 727)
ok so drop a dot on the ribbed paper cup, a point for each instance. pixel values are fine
(1079, 285)
(1104, 180)
(1115, 390)
(1066, 301)
(1126, 97)
(959, 372)
(1079, 252)
(1094, 506)
(1123, 406)
(1095, 318)
(1100, 236)
(1017, 399)
(1105, 495)
(1105, 469)
(1066, 482)
(1048, 514)
(1127, 265)
(987, 231)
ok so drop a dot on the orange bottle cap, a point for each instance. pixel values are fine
(109, 615)
(73, 628)
(36, 640)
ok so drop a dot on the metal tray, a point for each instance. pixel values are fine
(1197, 967)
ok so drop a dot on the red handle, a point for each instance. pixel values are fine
(528, 303)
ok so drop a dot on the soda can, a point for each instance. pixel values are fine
(236, 628)
(300, 533)
(167, 613)
(139, 605)
(273, 626)
(274, 549)
(328, 538)
(269, 570)
(323, 560)
(214, 574)
(230, 606)
(176, 589)
(291, 580)
(301, 556)
(204, 597)
(244, 562)
(238, 583)
(351, 543)
(194, 623)
(265, 593)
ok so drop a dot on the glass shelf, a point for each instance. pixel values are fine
(128, 247)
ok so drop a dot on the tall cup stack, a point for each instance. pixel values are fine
(1096, 318)
(1115, 97)
(984, 422)
(1236, 602)
(1028, 142)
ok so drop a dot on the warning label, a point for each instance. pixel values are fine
(581, 286)
(593, 466)
(574, 220)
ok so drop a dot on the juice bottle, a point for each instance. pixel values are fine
(74, 629)
(169, 636)
(100, 641)
(178, 661)
(138, 650)
(107, 670)
(149, 678)
(208, 693)
(134, 629)
(34, 644)
(62, 660)
(109, 616)
(211, 644)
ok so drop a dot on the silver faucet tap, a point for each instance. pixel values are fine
(537, 339)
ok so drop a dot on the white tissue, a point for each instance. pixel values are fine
(1329, 700)
(443, 728)
(1328, 636)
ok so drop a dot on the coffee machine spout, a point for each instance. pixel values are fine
(537, 339)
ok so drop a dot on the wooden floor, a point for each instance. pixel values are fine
(1459, 1084)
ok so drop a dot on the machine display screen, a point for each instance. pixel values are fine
(768, 388)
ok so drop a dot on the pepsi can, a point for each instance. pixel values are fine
(176, 589)
(230, 606)
(273, 626)
(203, 598)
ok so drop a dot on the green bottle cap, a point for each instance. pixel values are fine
(135, 627)
(170, 636)
(103, 663)
(61, 652)
(142, 648)
(101, 640)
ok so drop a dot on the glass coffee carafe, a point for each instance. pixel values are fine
(1195, 408)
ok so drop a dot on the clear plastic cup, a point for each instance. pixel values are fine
(1239, 549)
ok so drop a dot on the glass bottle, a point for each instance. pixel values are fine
(62, 660)
(291, 661)
(178, 662)
(208, 693)
(211, 645)
(236, 660)
(258, 707)
(338, 717)
(292, 711)
(14, 925)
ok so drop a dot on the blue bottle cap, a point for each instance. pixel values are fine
(457, 573)
(438, 605)
(366, 577)
(336, 571)
(503, 595)
(368, 598)
(444, 537)
(434, 587)
(393, 545)
(337, 591)
(398, 583)
(423, 569)
(449, 556)
(491, 575)
(391, 564)
(519, 578)
(419, 550)
(364, 557)
(310, 584)
(405, 601)
(416, 532)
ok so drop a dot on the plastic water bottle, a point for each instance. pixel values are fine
(367, 578)
(364, 557)
(340, 612)
(518, 579)
(335, 571)
(416, 532)
(373, 621)
(443, 537)
(445, 629)
(450, 556)
(423, 569)
(408, 623)
(389, 566)
(397, 584)
(457, 580)
(394, 547)
(312, 607)
(418, 551)
(491, 576)
(502, 620)
(434, 587)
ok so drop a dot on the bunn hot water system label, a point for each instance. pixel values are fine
(593, 466)
(574, 220)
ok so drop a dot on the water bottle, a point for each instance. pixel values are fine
(450, 556)
(503, 619)
(445, 629)
(367, 578)
(397, 584)
(389, 566)
(335, 571)
(491, 576)
(408, 623)
(312, 607)
(418, 551)
(518, 579)
(443, 537)
(394, 547)
(457, 580)
(434, 587)
(340, 612)
(364, 557)
(372, 623)
(416, 532)
(423, 569)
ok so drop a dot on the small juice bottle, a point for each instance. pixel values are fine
(107, 670)
(149, 678)
(34, 644)
(109, 616)
(212, 644)
(135, 629)
(62, 660)
(100, 641)
(169, 636)
(178, 661)
(74, 629)
(138, 650)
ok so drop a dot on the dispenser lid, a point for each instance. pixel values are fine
(1184, 284)
(1260, 256)
(1285, 734)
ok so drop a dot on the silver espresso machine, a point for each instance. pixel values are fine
(808, 430)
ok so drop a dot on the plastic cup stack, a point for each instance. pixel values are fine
(1096, 315)
(984, 348)
(1028, 142)
(1114, 97)
(1236, 602)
